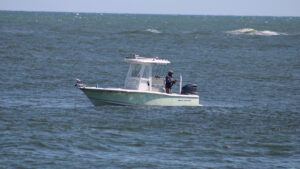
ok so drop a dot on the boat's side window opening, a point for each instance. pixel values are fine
(159, 71)
(136, 69)
(146, 72)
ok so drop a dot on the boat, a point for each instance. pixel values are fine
(141, 88)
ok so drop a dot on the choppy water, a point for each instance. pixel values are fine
(247, 70)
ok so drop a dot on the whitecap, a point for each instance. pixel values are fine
(152, 31)
(250, 31)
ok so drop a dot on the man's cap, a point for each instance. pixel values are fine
(171, 71)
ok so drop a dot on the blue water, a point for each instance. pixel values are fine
(247, 70)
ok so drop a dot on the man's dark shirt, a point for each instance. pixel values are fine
(169, 82)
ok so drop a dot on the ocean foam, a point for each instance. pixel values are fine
(250, 31)
(152, 31)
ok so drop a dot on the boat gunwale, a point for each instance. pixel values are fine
(137, 91)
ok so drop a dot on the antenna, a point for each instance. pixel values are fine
(180, 84)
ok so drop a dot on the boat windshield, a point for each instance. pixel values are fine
(146, 73)
(136, 70)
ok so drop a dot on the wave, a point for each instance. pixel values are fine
(18, 32)
(250, 31)
(140, 31)
(130, 32)
(152, 31)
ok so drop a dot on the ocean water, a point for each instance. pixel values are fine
(247, 70)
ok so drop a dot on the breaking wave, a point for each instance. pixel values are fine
(140, 31)
(152, 31)
(250, 31)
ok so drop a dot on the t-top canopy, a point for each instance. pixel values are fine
(142, 60)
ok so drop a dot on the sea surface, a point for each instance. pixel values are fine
(247, 70)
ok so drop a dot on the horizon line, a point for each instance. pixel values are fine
(170, 14)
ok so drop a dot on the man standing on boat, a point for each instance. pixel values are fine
(170, 82)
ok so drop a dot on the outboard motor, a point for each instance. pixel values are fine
(189, 89)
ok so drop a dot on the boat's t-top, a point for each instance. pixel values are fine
(139, 76)
(142, 60)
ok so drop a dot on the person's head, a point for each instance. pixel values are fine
(170, 73)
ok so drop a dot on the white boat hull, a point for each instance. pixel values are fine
(117, 96)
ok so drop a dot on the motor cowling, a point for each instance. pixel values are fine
(190, 89)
